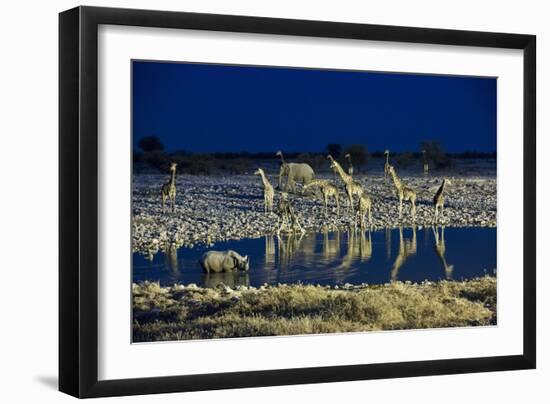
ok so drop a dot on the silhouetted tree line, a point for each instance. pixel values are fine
(153, 156)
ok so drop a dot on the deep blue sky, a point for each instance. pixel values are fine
(206, 108)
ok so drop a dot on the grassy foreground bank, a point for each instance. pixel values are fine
(190, 312)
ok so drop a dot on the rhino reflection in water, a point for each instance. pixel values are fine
(231, 279)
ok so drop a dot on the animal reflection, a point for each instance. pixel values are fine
(366, 246)
(231, 279)
(387, 238)
(269, 257)
(439, 248)
(288, 246)
(407, 248)
(359, 249)
(331, 246)
(171, 257)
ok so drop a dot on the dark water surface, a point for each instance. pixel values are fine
(336, 258)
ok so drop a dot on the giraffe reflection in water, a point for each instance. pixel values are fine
(334, 257)
(171, 257)
(359, 250)
(269, 257)
(331, 246)
(439, 248)
(407, 248)
(302, 248)
(288, 246)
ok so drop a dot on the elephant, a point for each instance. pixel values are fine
(224, 261)
(296, 172)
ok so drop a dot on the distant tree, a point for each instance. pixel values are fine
(404, 159)
(156, 159)
(315, 160)
(150, 144)
(359, 155)
(334, 149)
(435, 153)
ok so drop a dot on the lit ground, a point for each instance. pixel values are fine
(215, 208)
(189, 312)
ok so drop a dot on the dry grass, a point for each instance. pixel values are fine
(180, 312)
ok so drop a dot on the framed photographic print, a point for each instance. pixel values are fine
(250, 201)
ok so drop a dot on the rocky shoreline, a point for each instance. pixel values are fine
(219, 208)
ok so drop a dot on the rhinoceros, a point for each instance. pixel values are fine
(224, 261)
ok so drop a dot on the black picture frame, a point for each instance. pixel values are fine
(78, 201)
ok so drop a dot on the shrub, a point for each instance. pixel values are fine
(150, 144)
(334, 149)
(435, 153)
(404, 159)
(359, 155)
(316, 161)
(156, 159)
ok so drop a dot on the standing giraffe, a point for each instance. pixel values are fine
(283, 168)
(403, 193)
(387, 165)
(352, 187)
(287, 218)
(364, 209)
(350, 166)
(268, 191)
(327, 189)
(169, 189)
(331, 159)
(439, 200)
(425, 162)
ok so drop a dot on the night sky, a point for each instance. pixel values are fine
(223, 108)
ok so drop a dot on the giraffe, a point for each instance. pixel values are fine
(439, 200)
(439, 247)
(403, 193)
(327, 189)
(283, 167)
(425, 162)
(268, 191)
(350, 166)
(352, 187)
(169, 189)
(334, 173)
(387, 165)
(406, 249)
(287, 217)
(364, 209)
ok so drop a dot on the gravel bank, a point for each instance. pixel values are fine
(210, 209)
